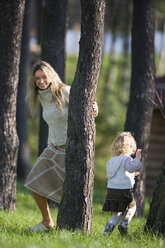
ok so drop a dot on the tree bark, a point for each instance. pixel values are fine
(54, 33)
(23, 163)
(156, 217)
(140, 108)
(75, 211)
(11, 18)
(53, 48)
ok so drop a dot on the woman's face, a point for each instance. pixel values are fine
(41, 80)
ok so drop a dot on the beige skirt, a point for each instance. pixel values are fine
(47, 175)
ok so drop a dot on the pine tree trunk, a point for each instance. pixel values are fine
(53, 48)
(11, 18)
(54, 33)
(75, 211)
(23, 163)
(140, 108)
(156, 216)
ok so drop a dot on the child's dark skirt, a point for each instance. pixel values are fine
(119, 200)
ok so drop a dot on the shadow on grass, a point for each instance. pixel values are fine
(13, 230)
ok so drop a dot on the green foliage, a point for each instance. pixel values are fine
(71, 63)
(112, 97)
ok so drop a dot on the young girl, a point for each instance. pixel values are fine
(46, 178)
(121, 170)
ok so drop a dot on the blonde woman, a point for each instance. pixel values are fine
(121, 170)
(46, 178)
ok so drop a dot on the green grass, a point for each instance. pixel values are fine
(14, 231)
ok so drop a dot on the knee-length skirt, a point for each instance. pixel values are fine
(47, 176)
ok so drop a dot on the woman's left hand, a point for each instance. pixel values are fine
(95, 108)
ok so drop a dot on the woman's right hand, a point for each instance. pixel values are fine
(95, 108)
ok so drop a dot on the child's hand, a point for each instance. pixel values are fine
(95, 108)
(138, 153)
(136, 173)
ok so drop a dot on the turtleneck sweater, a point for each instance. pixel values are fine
(56, 119)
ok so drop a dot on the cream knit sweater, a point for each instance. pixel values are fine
(57, 120)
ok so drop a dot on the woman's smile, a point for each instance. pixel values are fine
(41, 80)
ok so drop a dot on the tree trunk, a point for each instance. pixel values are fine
(127, 18)
(75, 211)
(53, 48)
(36, 20)
(23, 163)
(54, 33)
(11, 18)
(156, 216)
(140, 108)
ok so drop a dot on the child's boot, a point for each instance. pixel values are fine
(108, 229)
(122, 230)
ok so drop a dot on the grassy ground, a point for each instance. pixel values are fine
(14, 231)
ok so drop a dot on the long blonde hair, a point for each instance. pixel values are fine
(56, 86)
(123, 144)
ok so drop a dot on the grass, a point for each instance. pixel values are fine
(14, 231)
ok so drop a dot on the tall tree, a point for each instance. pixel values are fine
(23, 163)
(11, 18)
(53, 47)
(139, 112)
(75, 211)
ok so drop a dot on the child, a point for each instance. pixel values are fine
(121, 170)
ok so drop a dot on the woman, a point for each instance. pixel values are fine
(46, 178)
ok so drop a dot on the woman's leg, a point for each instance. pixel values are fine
(44, 208)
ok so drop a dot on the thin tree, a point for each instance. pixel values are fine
(11, 18)
(75, 211)
(53, 48)
(140, 108)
